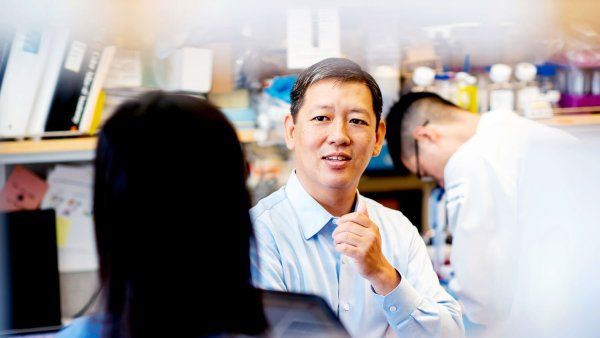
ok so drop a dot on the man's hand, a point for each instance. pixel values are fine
(357, 237)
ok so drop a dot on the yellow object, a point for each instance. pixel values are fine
(63, 226)
(467, 97)
(98, 112)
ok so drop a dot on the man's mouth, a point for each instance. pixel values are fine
(337, 158)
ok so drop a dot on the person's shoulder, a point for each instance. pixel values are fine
(472, 158)
(524, 129)
(269, 203)
(84, 327)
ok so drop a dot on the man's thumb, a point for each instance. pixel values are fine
(362, 208)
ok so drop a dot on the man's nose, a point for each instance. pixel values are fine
(338, 133)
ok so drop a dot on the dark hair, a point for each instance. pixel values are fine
(172, 263)
(341, 69)
(411, 110)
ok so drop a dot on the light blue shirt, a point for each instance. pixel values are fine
(296, 253)
(84, 327)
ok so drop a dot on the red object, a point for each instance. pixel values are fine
(23, 190)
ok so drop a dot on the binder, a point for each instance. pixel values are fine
(24, 70)
(74, 85)
(59, 38)
(85, 126)
(6, 38)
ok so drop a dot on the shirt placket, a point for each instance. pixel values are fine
(346, 290)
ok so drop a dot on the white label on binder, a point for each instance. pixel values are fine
(75, 56)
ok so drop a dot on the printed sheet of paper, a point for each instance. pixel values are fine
(70, 194)
(312, 36)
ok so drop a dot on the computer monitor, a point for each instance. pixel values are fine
(29, 280)
(294, 315)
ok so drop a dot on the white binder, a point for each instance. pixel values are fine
(24, 71)
(59, 38)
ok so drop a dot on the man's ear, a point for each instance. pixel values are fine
(289, 127)
(428, 133)
(379, 138)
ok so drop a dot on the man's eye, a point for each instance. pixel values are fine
(320, 118)
(359, 121)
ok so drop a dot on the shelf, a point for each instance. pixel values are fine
(572, 120)
(45, 151)
(82, 149)
(246, 135)
(63, 150)
(391, 183)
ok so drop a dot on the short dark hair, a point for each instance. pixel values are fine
(405, 115)
(164, 250)
(341, 69)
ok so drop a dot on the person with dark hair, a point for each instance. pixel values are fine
(318, 235)
(477, 159)
(171, 265)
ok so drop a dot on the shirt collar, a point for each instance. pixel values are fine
(311, 215)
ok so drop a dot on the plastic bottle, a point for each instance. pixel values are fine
(482, 92)
(423, 78)
(443, 86)
(546, 77)
(547, 82)
(595, 86)
(466, 92)
(526, 88)
(501, 95)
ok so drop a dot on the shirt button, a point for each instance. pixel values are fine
(343, 260)
(393, 308)
(346, 307)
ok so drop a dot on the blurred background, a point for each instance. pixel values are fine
(244, 57)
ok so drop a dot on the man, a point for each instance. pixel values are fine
(318, 235)
(477, 159)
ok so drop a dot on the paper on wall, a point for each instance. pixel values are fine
(309, 40)
(70, 195)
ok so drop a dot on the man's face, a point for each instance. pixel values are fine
(334, 135)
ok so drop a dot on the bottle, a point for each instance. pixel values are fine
(501, 95)
(595, 86)
(482, 92)
(547, 82)
(526, 89)
(423, 78)
(466, 92)
(443, 86)
(546, 77)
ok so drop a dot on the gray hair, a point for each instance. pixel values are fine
(340, 69)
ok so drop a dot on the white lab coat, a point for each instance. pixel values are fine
(481, 180)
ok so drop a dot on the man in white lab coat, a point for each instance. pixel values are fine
(477, 159)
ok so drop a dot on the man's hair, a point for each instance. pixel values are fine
(412, 110)
(340, 69)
